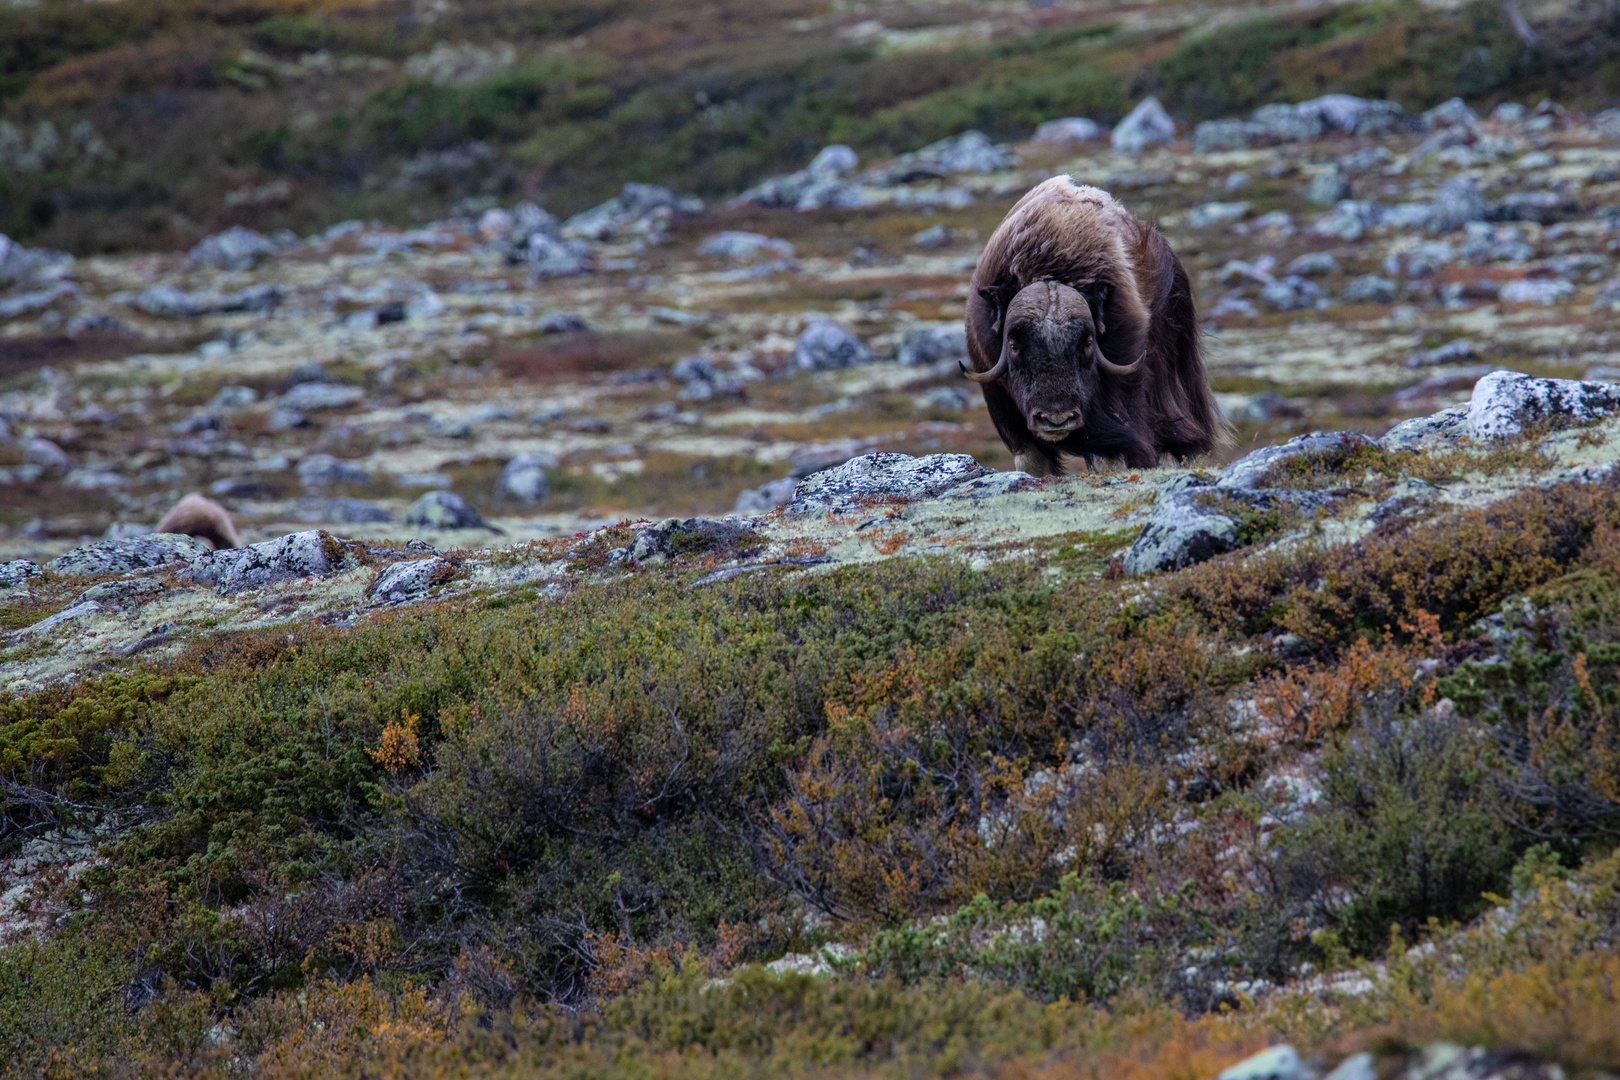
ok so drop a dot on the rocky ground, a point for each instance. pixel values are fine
(98, 605)
(654, 357)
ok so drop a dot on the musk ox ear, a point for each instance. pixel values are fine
(1097, 300)
(996, 298)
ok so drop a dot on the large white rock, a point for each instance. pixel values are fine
(1146, 125)
(1506, 402)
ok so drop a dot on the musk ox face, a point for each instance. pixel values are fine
(1049, 344)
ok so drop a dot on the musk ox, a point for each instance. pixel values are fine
(202, 517)
(1081, 331)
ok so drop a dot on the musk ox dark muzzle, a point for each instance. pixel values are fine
(1051, 362)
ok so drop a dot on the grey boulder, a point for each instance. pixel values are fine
(124, 556)
(16, 572)
(874, 479)
(315, 553)
(826, 346)
(445, 510)
(523, 479)
(324, 470)
(1459, 202)
(674, 537)
(236, 248)
(406, 581)
(1146, 125)
(1504, 403)
(924, 347)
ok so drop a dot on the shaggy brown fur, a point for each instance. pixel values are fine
(202, 517)
(1081, 237)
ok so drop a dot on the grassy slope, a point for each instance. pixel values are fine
(706, 99)
(513, 800)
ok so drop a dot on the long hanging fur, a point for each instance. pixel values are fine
(1082, 237)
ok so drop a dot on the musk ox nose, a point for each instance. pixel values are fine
(1055, 424)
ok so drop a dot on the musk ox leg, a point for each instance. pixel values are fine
(1036, 463)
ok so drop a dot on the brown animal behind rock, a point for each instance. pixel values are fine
(202, 517)
(1082, 332)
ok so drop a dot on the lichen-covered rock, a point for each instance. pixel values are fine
(16, 572)
(405, 581)
(445, 510)
(1144, 126)
(996, 483)
(1183, 530)
(66, 615)
(1274, 1063)
(675, 537)
(1505, 402)
(123, 592)
(1445, 427)
(1247, 473)
(874, 478)
(122, 556)
(315, 553)
(826, 346)
(523, 479)
(236, 248)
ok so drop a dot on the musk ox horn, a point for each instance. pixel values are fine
(1118, 369)
(988, 376)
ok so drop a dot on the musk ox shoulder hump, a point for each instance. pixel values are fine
(202, 517)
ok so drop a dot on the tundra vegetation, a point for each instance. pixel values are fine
(904, 796)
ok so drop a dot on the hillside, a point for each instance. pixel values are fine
(640, 658)
(170, 119)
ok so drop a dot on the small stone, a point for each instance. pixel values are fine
(1369, 288)
(524, 479)
(971, 151)
(1277, 1063)
(445, 510)
(1542, 291)
(744, 245)
(1458, 203)
(236, 248)
(1314, 264)
(1146, 125)
(321, 395)
(338, 511)
(826, 346)
(1328, 187)
(690, 369)
(1448, 114)
(924, 347)
(1355, 1067)
(1292, 293)
(322, 470)
(833, 161)
(934, 236)
(46, 454)
(1216, 213)
(1069, 129)
(562, 322)
(1183, 531)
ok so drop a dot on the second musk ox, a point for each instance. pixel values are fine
(1081, 330)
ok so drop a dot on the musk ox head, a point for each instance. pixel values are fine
(1050, 361)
